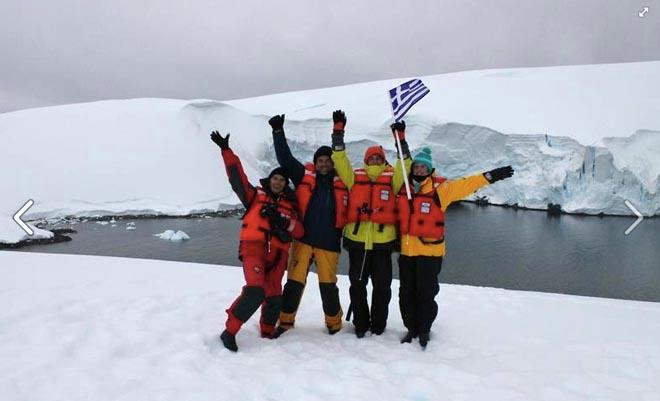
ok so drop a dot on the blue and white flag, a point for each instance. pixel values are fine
(404, 96)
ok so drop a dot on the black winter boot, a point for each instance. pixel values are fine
(279, 330)
(423, 339)
(409, 337)
(360, 334)
(377, 330)
(229, 341)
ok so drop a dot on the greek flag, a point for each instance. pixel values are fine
(404, 96)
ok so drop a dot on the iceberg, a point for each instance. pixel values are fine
(173, 235)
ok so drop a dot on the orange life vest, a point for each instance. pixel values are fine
(372, 200)
(306, 188)
(257, 227)
(422, 216)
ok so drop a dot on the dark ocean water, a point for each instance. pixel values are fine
(486, 246)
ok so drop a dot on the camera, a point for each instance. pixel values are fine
(269, 210)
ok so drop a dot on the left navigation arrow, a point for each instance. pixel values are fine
(20, 213)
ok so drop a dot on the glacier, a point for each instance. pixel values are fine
(590, 179)
(585, 137)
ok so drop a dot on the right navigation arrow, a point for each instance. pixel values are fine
(640, 217)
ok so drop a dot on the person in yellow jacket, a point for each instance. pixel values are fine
(422, 230)
(370, 233)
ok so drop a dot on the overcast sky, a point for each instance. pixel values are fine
(67, 51)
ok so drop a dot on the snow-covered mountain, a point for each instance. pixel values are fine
(586, 137)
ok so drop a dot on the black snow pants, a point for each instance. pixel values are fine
(378, 267)
(418, 277)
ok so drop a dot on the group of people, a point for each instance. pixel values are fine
(369, 208)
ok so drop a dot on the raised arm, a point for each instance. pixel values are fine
(293, 167)
(454, 190)
(397, 178)
(399, 130)
(343, 165)
(235, 172)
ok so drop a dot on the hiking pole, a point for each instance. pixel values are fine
(364, 260)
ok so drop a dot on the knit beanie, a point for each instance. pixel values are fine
(322, 151)
(374, 150)
(279, 171)
(424, 157)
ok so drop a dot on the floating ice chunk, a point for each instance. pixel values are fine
(180, 236)
(173, 235)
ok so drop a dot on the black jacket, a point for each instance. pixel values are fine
(319, 223)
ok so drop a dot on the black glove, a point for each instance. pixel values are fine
(219, 140)
(277, 122)
(498, 174)
(405, 149)
(339, 120)
(399, 128)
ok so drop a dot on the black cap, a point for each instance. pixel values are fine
(322, 151)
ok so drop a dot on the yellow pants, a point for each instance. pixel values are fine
(301, 259)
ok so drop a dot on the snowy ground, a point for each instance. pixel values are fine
(101, 328)
(139, 156)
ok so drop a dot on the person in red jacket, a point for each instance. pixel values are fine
(270, 223)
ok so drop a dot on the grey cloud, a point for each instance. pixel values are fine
(72, 50)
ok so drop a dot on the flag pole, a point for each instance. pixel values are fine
(403, 164)
(415, 97)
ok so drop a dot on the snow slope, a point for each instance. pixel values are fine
(11, 233)
(586, 102)
(154, 155)
(100, 328)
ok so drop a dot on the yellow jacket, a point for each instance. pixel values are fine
(448, 191)
(368, 232)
